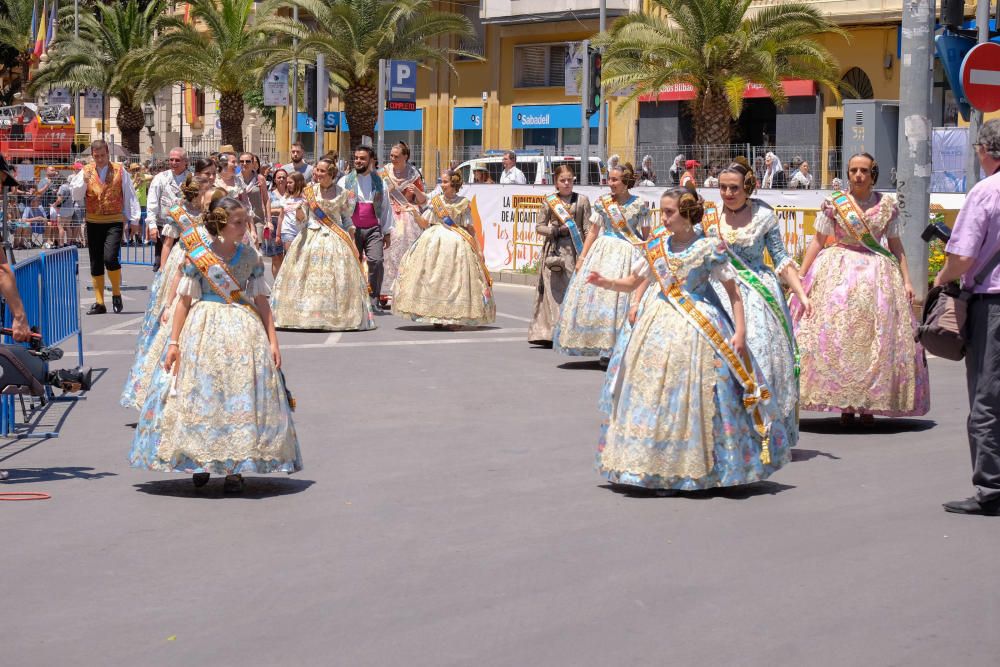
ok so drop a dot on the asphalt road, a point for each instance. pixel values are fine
(449, 514)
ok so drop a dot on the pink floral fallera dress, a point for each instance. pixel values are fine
(857, 350)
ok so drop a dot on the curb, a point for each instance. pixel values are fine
(514, 278)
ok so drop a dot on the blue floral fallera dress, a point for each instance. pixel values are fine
(590, 317)
(226, 410)
(674, 411)
(766, 337)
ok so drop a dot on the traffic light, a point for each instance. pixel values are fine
(594, 84)
(310, 90)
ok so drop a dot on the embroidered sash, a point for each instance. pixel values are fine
(852, 220)
(619, 223)
(325, 220)
(748, 277)
(670, 288)
(196, 242)
(441, 211)
(559, 209)
(181, 217)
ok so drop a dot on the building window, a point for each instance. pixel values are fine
(475, 45)
(859, 81)
(540, 65)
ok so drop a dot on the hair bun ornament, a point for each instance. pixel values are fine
(190, 188)
(219, 216)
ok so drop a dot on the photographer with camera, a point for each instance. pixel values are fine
(973, 254)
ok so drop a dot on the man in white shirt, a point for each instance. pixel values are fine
(165, 192)
(511, 175)
(105, 189)
(372, 217)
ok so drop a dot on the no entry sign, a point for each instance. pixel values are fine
(981, 76)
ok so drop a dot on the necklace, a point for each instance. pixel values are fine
(740, 209)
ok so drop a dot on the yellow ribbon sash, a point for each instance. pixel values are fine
(441, 211)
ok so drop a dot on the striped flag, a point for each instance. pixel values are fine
(51, 32)
(40, 38)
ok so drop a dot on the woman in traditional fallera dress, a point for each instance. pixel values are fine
(405, 189)
(321, 284)
(857, 349)
(688, 408)
(563, 222)
(155, 330)
(442, 278)
(218, 404)
(748, 227)
(591, 317)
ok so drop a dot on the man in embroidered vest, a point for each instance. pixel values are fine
(373, 216)
(105, 189)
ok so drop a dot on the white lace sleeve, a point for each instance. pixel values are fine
(257, 284)
(640, 267)
(723, 272)
(596, 220)
(824, 225)
(189, 286)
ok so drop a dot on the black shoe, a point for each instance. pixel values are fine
(973, 506)
(97, 309)
(200, 479)
(116, 303)
(233, 484)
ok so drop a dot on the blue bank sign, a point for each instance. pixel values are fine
(547, 116)
(467, 118)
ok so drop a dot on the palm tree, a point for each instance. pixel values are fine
(108, 56)
(715, 47)
(220, 48)
(15, 34)
(354, 35)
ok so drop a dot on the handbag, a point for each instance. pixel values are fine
(946, 308)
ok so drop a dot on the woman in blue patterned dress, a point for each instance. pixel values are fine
(748, 227)
(218, 403)
(685, 412)
(154, 330)
(590, 317)
(321, 284)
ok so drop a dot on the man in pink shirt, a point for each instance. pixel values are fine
(372, 217)
(974, 246)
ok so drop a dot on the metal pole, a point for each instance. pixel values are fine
(584, 121)
(380, 144)
(180, 141)
(914, 160)
(602, 118)
(76, 96)
(320, 103)
(293, 122)
(976, 116)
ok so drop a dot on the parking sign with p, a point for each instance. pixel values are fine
(402, 93)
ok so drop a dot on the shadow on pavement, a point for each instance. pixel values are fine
(27, 475)
(730, 492)
(587, 365)
(882, 426)
(799, 455)
(256, 488)
(430, 328)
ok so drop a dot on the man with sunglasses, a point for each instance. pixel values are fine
(164, 192)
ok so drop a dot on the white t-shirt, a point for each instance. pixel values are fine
(289, 223)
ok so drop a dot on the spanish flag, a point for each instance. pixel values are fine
(40, 38)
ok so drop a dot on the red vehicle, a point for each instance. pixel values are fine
(30, 131)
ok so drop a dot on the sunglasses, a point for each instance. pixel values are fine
(246, 161)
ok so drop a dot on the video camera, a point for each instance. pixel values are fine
(936, 230)
(24, 370)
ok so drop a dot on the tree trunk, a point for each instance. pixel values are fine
(130, 121)
(361, 107)
(231, 119)
(713, 124)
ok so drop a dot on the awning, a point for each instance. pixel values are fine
(547, 116)
(467, 118)
(685, 91)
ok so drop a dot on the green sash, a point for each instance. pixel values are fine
(749, 278)
(853, 221)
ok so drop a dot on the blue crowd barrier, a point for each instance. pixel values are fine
(49, 288)
(139, 255)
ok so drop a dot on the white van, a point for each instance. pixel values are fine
(537, 168)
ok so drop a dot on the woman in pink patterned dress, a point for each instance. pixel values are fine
(405, 189)
(858, 352)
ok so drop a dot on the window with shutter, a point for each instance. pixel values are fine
(531, 66)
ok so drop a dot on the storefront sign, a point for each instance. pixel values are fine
(467, 118)
(547, 116)
(676, 92)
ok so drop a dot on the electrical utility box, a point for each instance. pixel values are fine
(872, 126)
